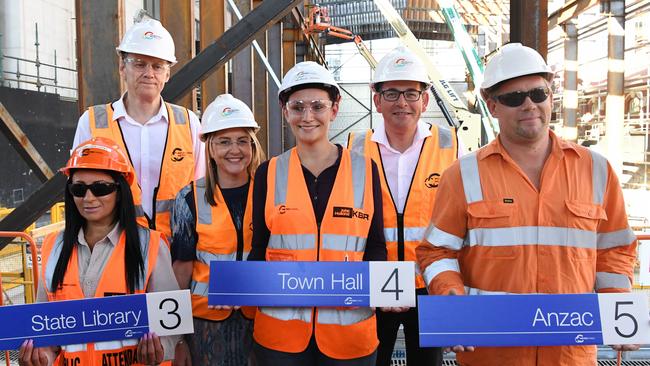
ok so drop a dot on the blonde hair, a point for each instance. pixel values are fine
(211, 174)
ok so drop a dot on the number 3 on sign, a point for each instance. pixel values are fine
(392, 284)
(170, 312)
(624, 318)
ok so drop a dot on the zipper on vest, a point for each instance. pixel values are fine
(313, 310)
(152, 220)
(400, 237)
(240, 243)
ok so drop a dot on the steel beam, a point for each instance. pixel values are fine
(275, 112)
(529, 24)
(290, 36)
(614, 107)
(177, 16)
(23, 146)
(569, 11)
(260, 97)
(233, 40)
(36, 205)
(213, 25)
(97, 76)
(570, 98)
(243, 83)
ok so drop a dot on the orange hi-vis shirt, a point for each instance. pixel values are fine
(494, 232)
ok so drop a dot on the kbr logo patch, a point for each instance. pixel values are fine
(349, 213)
(432, 181)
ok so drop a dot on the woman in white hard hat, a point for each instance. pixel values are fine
(316, 202)
(211, 220)
(100, 241)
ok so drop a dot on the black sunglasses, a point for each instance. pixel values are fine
(98, 189)
(515, 99)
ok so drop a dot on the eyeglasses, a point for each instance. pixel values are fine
(98, 189)
(410, 95)
(141, 65)
(226, 144)
(517, 98)
(316, 107)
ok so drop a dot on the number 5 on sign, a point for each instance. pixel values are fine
(392, 284)
(170, 312)
(624, 318)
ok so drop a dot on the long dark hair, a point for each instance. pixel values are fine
(125, 210)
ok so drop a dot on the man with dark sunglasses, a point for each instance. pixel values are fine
(528, 213)
(411, 155)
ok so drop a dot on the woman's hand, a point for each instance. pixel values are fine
(28, 355)
(150, 350)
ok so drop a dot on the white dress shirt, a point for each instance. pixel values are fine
(399, 167)
(146, 144)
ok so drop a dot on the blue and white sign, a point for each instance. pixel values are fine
(534, 320)
(96, 319)
(312, 283)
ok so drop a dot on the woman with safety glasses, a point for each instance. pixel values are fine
(102, 251)
(316, 202)
(211, 221)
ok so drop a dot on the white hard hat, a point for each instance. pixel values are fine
(148, 37)
(514, 60)
(400, 64)
(307, 72)
(225, 112)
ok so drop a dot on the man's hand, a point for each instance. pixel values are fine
(626, 347)
(394, 309)
(458, 348)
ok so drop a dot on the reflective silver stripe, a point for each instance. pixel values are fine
(199, 288)
(75, 347)
(343, 317)
(444, 138)
(292, 241)
(612, 280)
(109, 345)
(599, 171)
(101, 118)
(359, 143)
(410, 233)
(207, 257)
(358, 163)
(203, 209)
(303, 314)
(478, 291)
(343, 243)
(164, 205)
(139, 211)
(443, 239)
(440, 266)
(616, 239)
(51, 261)
(179, 114)
(532, 235)
(471, 178)
(281, 178)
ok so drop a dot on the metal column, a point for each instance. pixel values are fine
(242, 63)
(275, 112)
(615, 109)
(178, 17)
(529, 24)
(290, 36)
(212, 26)
(570, 98)
(97, 76)
(260, 97)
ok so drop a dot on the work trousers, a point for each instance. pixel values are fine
(312, 356)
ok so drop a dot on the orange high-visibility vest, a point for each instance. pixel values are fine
(217, 241)
(176, 171)
(405, 231)
(107, 352)
(295, 236)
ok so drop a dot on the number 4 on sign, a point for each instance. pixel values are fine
(392, 284)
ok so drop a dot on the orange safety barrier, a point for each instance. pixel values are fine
(33, 249)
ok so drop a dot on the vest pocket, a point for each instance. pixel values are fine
(584, 215)
(490, 214)
(280, 255)
(488, 224)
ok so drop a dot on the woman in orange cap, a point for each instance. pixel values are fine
(101, 240)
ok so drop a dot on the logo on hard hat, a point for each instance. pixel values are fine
(304, 75)
(151, 35)
(401, 62)
(228, 111)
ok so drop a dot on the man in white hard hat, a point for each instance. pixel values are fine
(411, 155)
(161, 138)
(528, 213)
